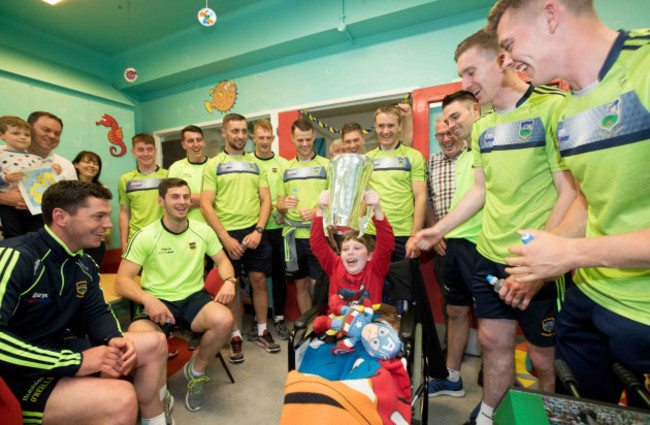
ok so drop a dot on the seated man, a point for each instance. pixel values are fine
(48, 285)
(170, 253)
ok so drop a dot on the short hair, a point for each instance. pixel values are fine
(366, 240)
(169, 183)
(145, 138)
(264, 125)
(389, 109)
(483, 39)
(496, 13)
(88, 154)
(232, 117)
(34, 116)
(191, 129)
(302, 124)
(459, 96)
(69, 195)
(349, 127)
(439, 118)
(12, 121)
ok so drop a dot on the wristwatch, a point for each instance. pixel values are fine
(260, 230)
(232, 280)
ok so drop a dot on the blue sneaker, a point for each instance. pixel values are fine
(474, 414)
(438, 387)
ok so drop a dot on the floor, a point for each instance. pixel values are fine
(258, 392)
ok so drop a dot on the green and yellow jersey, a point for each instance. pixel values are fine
(393, 175)
(172, 263)
(236, 181)
(192, 173)
(273, 167)
(140, 192)
(464, 178)
(305, 180)
(603, 134)
(516, 150)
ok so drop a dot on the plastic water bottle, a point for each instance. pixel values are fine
(243, 245)
(526, 238)
(294, 193)
(497, 284)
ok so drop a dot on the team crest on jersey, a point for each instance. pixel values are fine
(525, 129)
(192, 246)
(274, 170)
(548, 326)
(82, 288)
(612, 115)
(647, 381)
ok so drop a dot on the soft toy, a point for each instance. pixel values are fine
(379, 339)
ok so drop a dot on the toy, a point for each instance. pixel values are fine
(379, 339)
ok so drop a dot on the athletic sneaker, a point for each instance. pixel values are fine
(438, 387)
(474, 414)
(195, 397)
(281, 329)
(251, 334)
(169, 403)
(172, 349)
(266, 342)
(236, 355)
(169, 420)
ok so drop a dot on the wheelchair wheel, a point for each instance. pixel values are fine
(420, 401)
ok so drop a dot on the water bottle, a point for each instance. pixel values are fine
(294, 193)
(243, 246)
(497, 284)
(526, 238)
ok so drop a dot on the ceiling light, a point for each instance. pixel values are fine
(52, 2)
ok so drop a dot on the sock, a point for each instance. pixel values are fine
(157, 420)
(236, 333)
(485, 415)
(454, 375)
(261, 328)
(278, 318)
(194, 372)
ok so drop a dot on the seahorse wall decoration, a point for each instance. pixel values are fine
(114, 134)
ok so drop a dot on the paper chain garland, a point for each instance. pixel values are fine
(333, 130)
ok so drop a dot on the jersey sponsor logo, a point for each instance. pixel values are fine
(623, 121)
(166, 251)
(548, 326)
(237, 167)
(39, 298)
(34, 392)
(513, 135)
(192, 246)
(82, 288)
(305, 173)
(144, 184)
(399, 163)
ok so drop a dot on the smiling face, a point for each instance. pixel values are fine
(194, 145)
(387, 127)
(263, 139)
(354, 256)
(460, 117)
(145, 155)
(87, 168)
(176, 203)
(17, 138)
(236, 134)
(450, 145)
(86, 228)
(480, 73)
(304, 142)
(46, 135)
(529, 46)
(353, 141)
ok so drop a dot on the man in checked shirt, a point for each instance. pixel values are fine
(450, 175)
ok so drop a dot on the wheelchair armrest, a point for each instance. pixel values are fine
(407, 325)
(307, 316)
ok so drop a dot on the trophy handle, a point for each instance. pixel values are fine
(364, 221)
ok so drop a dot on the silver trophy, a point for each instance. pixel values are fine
(349, 177)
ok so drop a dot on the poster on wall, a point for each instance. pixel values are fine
(223, 96)
(34, 184)
(114, 135)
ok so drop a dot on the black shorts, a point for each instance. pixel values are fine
(253, 260)
(537, 321)
(308, 264)
(32, 394)
(459, 259)
(184, 311)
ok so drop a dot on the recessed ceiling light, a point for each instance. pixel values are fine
(52, 2)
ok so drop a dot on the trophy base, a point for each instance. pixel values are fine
(341, 230)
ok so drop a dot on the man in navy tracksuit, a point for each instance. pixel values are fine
(47, 285)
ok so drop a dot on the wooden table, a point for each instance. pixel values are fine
(107, 282)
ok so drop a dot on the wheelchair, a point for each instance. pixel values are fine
(417, 331)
